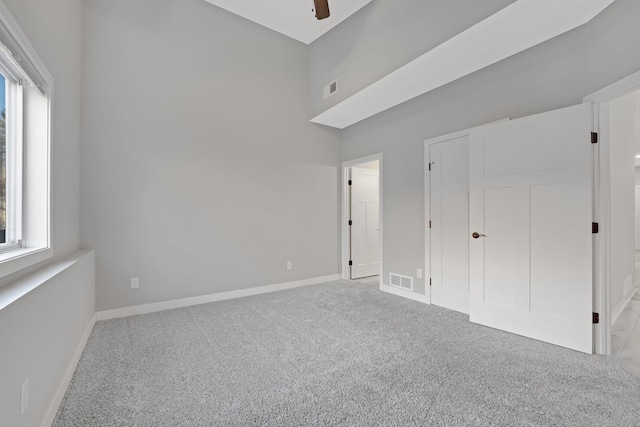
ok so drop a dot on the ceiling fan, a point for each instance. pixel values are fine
(322, 9)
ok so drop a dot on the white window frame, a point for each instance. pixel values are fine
(14, 144)
(29, 98)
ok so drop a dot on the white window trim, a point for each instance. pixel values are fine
(14, 126)
(32, 214)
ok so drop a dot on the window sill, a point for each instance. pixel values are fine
(19, 259)
(16, 290)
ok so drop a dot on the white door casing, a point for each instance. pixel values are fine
(637, 218)
(449, 204)
(601, 100)
(531, 195)
(365, 217)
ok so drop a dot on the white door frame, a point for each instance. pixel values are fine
(344, 220)
(427, 197)
(602, 204)
(635, 278)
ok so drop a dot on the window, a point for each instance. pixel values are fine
(10, 165)
(26, 89)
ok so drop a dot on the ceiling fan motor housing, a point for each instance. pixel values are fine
(322, 9)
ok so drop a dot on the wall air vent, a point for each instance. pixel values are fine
(330, 89)
(400, 281)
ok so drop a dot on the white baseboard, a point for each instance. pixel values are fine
(221, 296)
(618, 311)
(403, 293)
(66, 379)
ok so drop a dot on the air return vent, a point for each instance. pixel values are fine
(400, 281)
(330, 89)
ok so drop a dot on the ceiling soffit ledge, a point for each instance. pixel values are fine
(518, 27)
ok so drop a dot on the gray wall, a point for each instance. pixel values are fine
(200, 171)
(555, 74)
(40, 334)
(382, 37)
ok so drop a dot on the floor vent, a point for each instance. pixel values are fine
(400, 281)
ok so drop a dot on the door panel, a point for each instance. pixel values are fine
(449, 201)
(499, 250)
(365, 214)
(455, 244)
(373, 233)
(530, 182)
(548, 248)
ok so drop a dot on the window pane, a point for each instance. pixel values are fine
(3, 160)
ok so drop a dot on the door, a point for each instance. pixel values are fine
(449, 202)
(530, 210)
(365, 227)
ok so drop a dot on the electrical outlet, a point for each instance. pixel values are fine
(25, 397)
(419, 273)
(289, 265)
(135, 283)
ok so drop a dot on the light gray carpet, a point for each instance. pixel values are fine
(335, 354)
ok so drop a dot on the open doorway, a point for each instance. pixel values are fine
(617, 158)
(625, 147)
(624, 135)
(362, 218)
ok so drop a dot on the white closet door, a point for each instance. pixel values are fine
(531, 195)
(449, 194)
(365, 215)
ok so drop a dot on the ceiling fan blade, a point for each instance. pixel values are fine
(322, 9)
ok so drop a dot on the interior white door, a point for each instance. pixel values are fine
(449, 205)
(531, 195)
(365, 217)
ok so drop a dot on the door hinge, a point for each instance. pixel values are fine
(350, 222)
(350, 262)
(594, 137)
(596, 318)
(429, 281)
(429, 166)
(429, 224)
(349, 182)
(595, 227)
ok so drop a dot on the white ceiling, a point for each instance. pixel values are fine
(293, 18)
